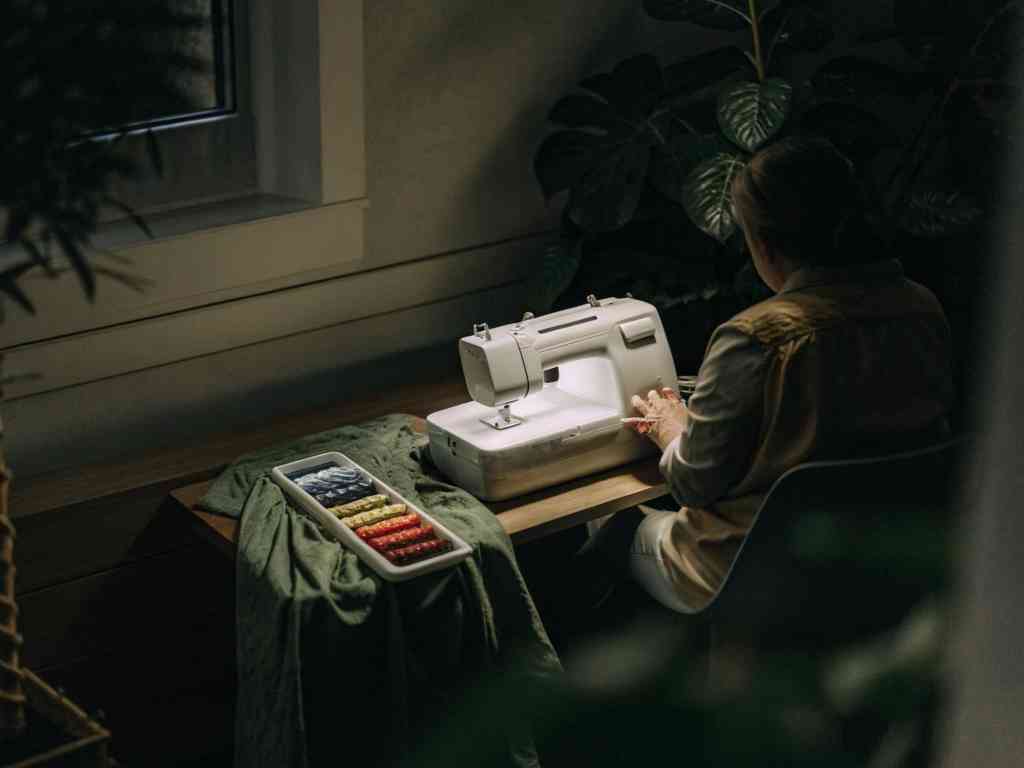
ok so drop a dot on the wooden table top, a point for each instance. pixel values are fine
(525, 518)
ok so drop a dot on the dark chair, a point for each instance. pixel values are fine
(841, 550)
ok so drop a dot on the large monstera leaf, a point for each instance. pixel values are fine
(558, 268)
(632, 88)
(672, 162)
(714, 14)
(751, 113)
(707, 196)
(607, 195)
(936, 213)
(603, 153)
(687, 79)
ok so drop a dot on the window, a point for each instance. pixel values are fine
(208, 148)
(209, 40)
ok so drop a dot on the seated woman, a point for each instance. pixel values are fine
(849, 358)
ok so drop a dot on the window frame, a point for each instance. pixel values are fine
(226, 31)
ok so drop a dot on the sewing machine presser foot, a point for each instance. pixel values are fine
(503, 419)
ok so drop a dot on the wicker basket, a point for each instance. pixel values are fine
(71, 737)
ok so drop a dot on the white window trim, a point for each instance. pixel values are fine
(307, 91)
(309, 104)
(308, 98)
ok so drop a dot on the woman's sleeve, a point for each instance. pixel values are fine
(716, 448)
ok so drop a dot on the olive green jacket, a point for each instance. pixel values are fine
(840, 363)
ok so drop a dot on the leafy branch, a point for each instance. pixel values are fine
(637, 146)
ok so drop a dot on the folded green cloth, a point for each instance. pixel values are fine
(336, 665)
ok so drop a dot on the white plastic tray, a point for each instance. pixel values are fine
(347, 536)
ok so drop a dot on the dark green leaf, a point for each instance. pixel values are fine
(9, 285)
(725, 14)
(612, 139)
(607, 195)
(37, 254)
(130, 213)
(72, 249)
(858, 133)
(751, 113)
(563, 158)
(587, 112)
(708, 195)
(936, 213)
(558, 268)
(685, 77)
(799, 28)
(862, 79)
(672, 162)
(632, 88)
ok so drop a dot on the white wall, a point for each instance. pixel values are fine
(454, 96)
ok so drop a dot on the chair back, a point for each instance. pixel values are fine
(842, 549)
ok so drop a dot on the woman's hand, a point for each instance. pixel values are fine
(668, 415)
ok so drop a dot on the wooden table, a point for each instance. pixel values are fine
(526, 518)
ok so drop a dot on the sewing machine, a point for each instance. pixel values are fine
(550, 394)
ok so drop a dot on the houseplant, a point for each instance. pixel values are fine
(646, 153)
(75, 78)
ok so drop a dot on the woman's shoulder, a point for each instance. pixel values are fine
(781, 318)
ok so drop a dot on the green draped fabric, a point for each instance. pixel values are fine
(336, 666)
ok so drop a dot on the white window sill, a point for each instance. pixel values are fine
(192, 219)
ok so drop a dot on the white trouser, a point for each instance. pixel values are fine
(646, 564)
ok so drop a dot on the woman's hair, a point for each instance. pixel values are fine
(801, 196)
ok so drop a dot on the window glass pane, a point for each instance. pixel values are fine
(193, 41)
(203, 161)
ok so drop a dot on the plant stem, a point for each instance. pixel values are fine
(776, 37)
(727, 7)
(755, 28)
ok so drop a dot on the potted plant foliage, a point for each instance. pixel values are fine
(75, 78)
(916, 95)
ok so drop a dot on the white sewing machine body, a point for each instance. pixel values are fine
(550, 393)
